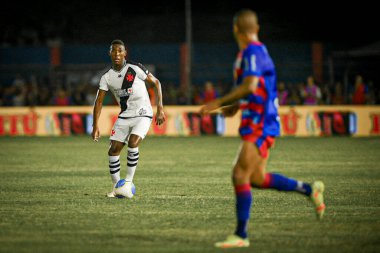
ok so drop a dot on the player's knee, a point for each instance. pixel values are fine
(133, 141)
(240, 176)
(257, 180)
(113, 151)
(133, 144)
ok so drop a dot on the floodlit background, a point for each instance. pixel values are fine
(59, 49)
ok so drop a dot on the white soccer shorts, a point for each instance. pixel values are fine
(125, 127)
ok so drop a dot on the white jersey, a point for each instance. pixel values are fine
(128, 87)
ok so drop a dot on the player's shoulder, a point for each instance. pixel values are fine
(255, 47)
(137, 65)
(106, 72)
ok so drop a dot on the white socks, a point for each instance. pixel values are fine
(114, 165)
(133, 158)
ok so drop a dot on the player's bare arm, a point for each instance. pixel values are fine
(96, 114)
(230, 110)
(160, 115)
(248, 86)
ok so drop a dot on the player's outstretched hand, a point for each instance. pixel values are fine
(95, 134)
(209, 107)
(160, 116)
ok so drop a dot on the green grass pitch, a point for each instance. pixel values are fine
(52, 197)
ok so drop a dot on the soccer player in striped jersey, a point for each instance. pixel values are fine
(256, 96)
(126, 80)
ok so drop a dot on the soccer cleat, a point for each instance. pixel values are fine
(233, 241)
(317, 198)
(111, 194)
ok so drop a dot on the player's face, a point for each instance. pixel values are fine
(118, 54)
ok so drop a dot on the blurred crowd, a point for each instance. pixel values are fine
(36, 92)
(358, 92)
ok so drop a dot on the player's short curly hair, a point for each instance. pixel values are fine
(116, 42)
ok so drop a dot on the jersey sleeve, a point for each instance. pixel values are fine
(103, 84)
(251, 63)
(142, 71)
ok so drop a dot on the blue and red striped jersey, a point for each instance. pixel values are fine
(259, 109)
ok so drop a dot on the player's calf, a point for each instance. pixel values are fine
(282, 183)
(133, 158)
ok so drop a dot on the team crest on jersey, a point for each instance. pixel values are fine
(129, 77)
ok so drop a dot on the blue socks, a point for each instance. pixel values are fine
(243, 206)
(272, 181)
(282, 183)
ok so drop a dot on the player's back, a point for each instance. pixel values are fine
(259, 109)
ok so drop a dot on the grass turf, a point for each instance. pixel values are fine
(52, 197)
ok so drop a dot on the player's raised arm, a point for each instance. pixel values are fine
(96, 114)
(248, 86)
(160, 115)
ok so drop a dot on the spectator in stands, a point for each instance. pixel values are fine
(223, 87)
(8, 95)
(359, 95)
(79, 95)
(62, 98)
(311, 94)
(170, 92)
(44, 96)
(181, 97)
(300, 87)
(197, 96)
(371, 94)
(282, 93)
(31, 91)
(91, 94)
(325, 95)
(19, 96)
(338, 97)
(210, 93)
(294, 98)
(19, 81)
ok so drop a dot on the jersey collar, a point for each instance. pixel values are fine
(125, 64)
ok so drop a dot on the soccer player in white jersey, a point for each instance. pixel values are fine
(126, 80)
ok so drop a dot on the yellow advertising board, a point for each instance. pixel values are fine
(185, 121)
